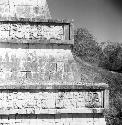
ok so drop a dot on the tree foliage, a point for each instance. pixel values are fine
(107, 55)
(111, 58)
(85, 46)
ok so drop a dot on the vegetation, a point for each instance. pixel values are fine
(85, 46)
(111, 58)
(108, 56)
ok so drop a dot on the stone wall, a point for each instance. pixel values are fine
(40, 80)
(49, 101)
(24, 9)
(37, 66)
(29, 31)
(52, 107)
(19, 31)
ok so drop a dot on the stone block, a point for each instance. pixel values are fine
(66, 32)
(20, 111)
(99, 121)
(4, 8)
(4, 35)
(4, 11)
(4, 27)
(4, 1)
(60, 123)
(30, 111)
(24, 11)
(24, 2)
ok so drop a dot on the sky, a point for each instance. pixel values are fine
(103, 18)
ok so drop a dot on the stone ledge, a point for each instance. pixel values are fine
(38, 41)
(35, 45)
(53, 111)
(36, 20)
(56, 87)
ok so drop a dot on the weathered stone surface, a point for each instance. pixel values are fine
(4, 10)
(36, 102)
(24, 9)
(51, 121)
(27, 31)
(35, 65)
(30, 66)
(38, 81)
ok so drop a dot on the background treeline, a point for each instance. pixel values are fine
(106, 57)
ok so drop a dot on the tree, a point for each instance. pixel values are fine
(85, 46)
(111, 58)
(107, 55)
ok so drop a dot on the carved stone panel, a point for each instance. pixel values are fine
(27, 31)
(39, 101)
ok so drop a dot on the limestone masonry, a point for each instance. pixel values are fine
(40, 81)
(24, 9)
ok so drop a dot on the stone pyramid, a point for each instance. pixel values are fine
(40, 80)
(24, 9)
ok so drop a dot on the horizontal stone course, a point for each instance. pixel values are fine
(50, 101)
(61, 121)
(20, 31)
(76, 86)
